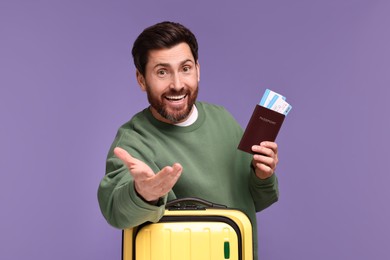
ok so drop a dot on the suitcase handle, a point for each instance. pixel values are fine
(192, 203)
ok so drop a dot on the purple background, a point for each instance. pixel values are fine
(67, 83)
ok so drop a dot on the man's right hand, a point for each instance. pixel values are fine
(148, 185)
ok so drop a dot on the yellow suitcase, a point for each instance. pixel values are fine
(191, 229)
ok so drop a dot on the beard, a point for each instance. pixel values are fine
(172, 113)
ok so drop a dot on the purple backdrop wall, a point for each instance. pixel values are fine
(67, 82)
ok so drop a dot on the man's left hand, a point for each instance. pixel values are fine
(265, 159)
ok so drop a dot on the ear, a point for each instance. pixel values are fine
(198, 69)
(141, 80)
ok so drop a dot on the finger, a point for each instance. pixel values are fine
(123, 155)
(259, 158)
(274, 147)
(138, 169)
(263, 150)
(263, 171)
(168, 176)
(270, 145)
(263, 167)
(177, 167)
(268, 161)
(169, 172)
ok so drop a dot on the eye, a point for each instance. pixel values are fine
(162, 72)
(187, 68)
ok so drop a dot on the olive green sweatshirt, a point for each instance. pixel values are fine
(213, 168)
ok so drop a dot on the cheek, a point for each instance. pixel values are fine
(155, 93)
(193, 82)
(155, 87)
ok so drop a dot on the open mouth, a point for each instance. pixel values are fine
(175, 98)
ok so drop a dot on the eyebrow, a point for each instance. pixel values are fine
(169, 65)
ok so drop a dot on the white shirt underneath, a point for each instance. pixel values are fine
(191, 119)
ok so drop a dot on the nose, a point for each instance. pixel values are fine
(176, 82)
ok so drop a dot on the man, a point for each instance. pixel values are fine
(179, 147)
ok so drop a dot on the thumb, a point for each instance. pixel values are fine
(123, 155)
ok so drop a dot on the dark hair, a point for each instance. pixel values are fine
(161, 36)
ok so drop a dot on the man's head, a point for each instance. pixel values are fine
(166, 58)
(162, 35)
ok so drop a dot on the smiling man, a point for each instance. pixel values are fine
(172, 83)
(180, 147)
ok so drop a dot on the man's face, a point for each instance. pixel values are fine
(171, 83)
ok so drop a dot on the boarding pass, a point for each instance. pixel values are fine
(275, 102)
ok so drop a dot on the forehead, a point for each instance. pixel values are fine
(171, 56)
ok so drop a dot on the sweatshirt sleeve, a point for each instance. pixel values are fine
(118, 201)
(264, 192)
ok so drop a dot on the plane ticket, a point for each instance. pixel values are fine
(275, 102)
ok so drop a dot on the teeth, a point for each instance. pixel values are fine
(175, 97)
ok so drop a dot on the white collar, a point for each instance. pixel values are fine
(191, 119)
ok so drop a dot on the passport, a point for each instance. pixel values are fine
(266, 120)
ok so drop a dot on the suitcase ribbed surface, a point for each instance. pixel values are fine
(191, 234)
(187, 240)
